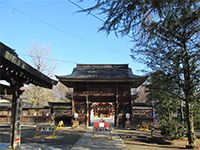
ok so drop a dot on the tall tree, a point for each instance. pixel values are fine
(168, 107)
(167, 36)
(39, 54)
(163, 90)
(61, 92)
(38, 95)
(197, 114)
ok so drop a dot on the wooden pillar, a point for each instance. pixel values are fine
(131, 111)
(117, 111)
(73, 105)
(87, 112)
(116, 106)
(51, 110)
(8, 116)
(15, 136)
(89, 122)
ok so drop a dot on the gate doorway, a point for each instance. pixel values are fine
(102, 110)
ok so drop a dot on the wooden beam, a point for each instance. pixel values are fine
(94, 94)
(7, 90)
(11, 63)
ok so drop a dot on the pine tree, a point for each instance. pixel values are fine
(167, 37)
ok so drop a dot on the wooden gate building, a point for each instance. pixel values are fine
(102, 89)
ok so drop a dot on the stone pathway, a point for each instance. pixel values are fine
(99, 142)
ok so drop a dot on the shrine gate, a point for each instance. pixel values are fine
(102, 91)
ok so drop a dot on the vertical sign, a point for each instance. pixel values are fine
(18, 124)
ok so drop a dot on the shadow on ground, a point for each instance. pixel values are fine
(65, 139)
(154, 140)
(144, 139)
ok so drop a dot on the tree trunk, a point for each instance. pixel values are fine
(190, 124)
(188, 91)
(182, 112)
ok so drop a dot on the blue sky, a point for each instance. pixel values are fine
(70, 36)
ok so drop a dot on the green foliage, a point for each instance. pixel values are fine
(166, 33)
(196, 115)
(167, 108)
(172, 129)
(165, 91)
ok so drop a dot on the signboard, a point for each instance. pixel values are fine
(101, 124)
(102, 128)
(44, 128)
(18, 123)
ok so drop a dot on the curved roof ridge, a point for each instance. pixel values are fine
(101, 73)
(123, 66)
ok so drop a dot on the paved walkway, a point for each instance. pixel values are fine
(81, 139)
(32, 146)
(86, 142)
(99, 142)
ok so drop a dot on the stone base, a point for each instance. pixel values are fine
(127, 124)
(75, 123)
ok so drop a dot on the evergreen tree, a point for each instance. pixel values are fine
(163, 90)
(167, 36)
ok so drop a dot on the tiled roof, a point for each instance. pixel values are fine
(102, 73)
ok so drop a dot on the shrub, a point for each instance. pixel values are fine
(172, 129)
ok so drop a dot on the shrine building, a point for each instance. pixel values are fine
(102, 91)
